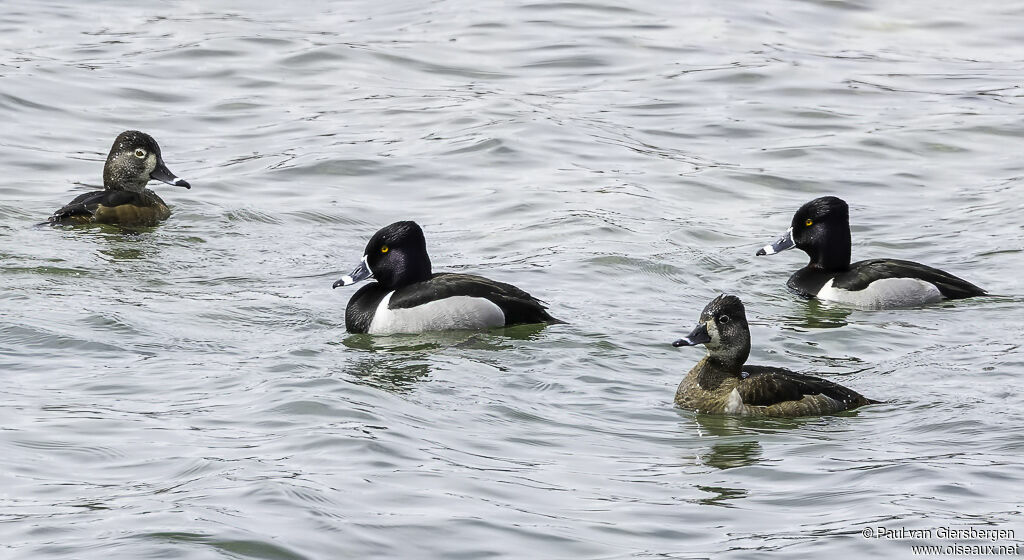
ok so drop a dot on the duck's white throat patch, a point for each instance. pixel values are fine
(457, 312)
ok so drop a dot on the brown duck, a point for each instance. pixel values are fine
(722, 384)
(134, 159)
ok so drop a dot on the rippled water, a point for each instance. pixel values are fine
(188, 390)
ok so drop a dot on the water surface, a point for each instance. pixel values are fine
(188, 390)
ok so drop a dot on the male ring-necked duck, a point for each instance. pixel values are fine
(722, 384)
(408, 298)
(821, 228)
(133, 160)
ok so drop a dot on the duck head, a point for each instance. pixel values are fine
(133, 161)
(820, 228)
(395, 256)
(723, 330)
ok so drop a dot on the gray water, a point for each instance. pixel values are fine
(188, 390)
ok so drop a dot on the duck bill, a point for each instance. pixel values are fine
(161, 173)
(360, 273)
(697, 336)
(779, 245)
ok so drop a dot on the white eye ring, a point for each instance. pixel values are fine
(140, 153)
(724, 319)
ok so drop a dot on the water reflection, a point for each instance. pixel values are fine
(404, 343)
(721, 495)
(124, 253)
(494, 339)
(521, 332)
(397, 362)
(112, 230)
(121, 243)
(396, 343)
(732, 454)
(734, 445)
(737, 438)
(817, 314)
(393, 373)
(251, 548)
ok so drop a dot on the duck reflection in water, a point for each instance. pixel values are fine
(394, 373)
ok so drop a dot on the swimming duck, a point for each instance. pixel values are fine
(722, 383)
(133, 160)
(409, 298)
(821, 228)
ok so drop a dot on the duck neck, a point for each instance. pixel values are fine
(420, 274)
(712, 370)
(405, 270)
(835, 253)
(115, 180)
(417, 268)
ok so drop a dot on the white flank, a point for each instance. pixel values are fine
(735, 403)
(884, 293)
(458, 312)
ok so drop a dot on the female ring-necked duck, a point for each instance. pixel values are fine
(408, 298)
(133, 160)
(722, 384)
(821, 228)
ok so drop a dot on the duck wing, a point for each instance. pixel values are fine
(765, 386)
(518, 306)
(84, 207)
(863, 273)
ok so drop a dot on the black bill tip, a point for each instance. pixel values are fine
(699, 335)
(164, 175)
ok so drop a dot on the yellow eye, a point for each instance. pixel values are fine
(140, 153)
(809, 222)
(384, 249)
